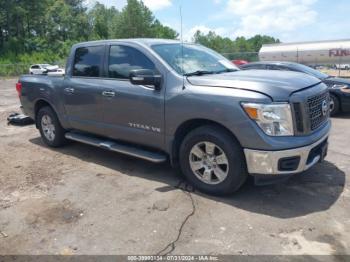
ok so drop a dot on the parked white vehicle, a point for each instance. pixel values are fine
(343, 66)
(38, 69)
(57, 72)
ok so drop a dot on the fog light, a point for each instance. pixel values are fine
(260, 161)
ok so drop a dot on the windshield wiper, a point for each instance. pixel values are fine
(227, 70)
(199, 73)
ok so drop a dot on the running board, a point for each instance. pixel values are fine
(116, 147)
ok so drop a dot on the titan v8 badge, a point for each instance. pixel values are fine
(145, 127)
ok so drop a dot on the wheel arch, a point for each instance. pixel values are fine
(40, 103)
(185, 128)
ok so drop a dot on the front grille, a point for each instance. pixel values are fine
(298, 117)
(316, 114)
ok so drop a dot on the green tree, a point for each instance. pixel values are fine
(99, 21)
(43, 31)
(135, 20)
(161, 31)
(257, 41)
(103, 21)
(240, 48)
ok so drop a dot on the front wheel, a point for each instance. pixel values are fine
(213, 161)
(52, 133)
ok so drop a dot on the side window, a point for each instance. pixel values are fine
(281, 68)
(123, 59)
(276, 67)
(35, 67)
(88, 61)
(258, 67)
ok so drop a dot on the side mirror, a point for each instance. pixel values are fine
(145, 77)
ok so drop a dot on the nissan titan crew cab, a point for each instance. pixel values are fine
(160, 99)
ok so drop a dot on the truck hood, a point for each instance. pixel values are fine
(278, 85)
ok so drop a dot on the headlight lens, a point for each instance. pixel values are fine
(337, 86)
(273, 119)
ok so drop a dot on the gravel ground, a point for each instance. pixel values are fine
(84, 200)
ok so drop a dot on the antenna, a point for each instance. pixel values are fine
(182, 50)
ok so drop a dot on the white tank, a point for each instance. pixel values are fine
(320, 52)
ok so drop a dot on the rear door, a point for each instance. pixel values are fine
(36, 69)
(82, 91)
(42, 69)
(132, 113)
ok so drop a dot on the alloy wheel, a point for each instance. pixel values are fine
(48, 127)
(209, 162)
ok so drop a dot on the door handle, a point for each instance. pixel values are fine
(108, 93)
(69, 90)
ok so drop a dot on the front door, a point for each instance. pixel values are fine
(133, 113)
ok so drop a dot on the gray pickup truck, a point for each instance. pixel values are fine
(161, 99)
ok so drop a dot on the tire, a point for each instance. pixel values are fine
(52, 133)
(213, 178)
(334, 105)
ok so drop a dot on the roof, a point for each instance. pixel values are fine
(144, 41)
(272, 63)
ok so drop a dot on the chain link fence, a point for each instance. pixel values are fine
(7, 70)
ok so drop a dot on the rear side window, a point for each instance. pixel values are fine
(88, 61)
(277, 67)
(257, 66)
(123, 59)
(35, 67)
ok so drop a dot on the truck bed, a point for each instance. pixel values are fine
(35, 87)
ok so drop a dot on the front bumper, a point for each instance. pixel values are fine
(269, 162)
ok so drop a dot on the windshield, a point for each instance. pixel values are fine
(44, 65)
(310, 71)
(192, 59)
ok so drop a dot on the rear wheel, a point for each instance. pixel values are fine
(213, 161)
(52, 133)
(334, 105)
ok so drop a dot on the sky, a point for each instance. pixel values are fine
(287, 20)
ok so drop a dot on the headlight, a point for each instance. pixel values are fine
(273, 119)
(337, 86)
